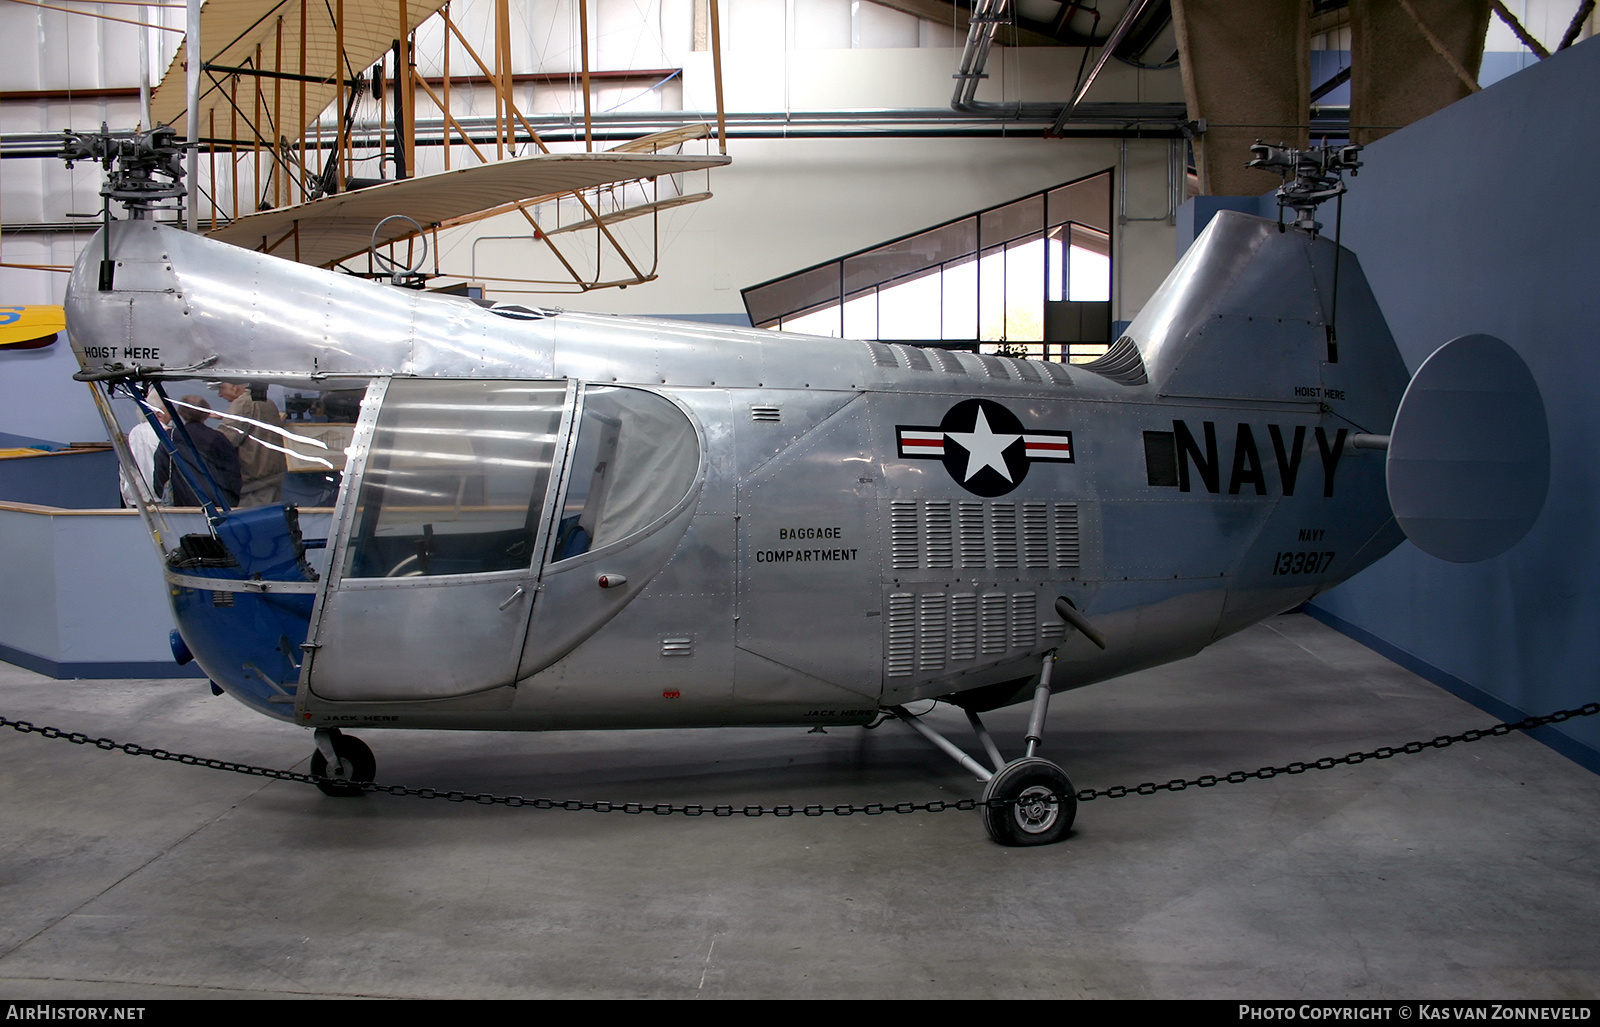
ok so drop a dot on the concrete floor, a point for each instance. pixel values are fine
(1464, 873)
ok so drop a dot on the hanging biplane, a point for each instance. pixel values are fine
(553, 520)
(306, 119)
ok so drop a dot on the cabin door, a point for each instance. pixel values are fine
(441, 518)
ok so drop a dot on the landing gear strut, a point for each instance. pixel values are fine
(343, 762)
(1028, 801)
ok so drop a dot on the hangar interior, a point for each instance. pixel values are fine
(1457, 878)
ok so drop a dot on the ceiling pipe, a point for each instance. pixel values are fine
(1131, 15)
(987, 17)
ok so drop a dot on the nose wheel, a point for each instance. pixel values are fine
(342, 763)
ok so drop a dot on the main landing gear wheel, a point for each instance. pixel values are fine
(1031, 813)
(356, 766)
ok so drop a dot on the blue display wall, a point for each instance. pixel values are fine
(1479, 219)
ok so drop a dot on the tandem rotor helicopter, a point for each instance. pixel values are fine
(552, 520)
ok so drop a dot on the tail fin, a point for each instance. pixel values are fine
(1255, 312)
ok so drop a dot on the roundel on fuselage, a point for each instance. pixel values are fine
(984, 446)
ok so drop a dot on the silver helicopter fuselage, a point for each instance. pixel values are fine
(559, 520)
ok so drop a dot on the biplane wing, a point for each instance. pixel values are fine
(298, 43)
(334, 228)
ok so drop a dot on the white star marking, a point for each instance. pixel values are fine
(984, 448)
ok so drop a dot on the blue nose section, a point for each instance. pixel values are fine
(242, 606)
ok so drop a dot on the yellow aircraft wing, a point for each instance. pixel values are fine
(30, 327)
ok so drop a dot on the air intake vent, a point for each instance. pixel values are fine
(974, 539)
(882, 356)
(1067, 535)
(903, 534)
(964, 627)
(1035, 535)
(1024, 623)
(902, 634)
(932, 624)
(1003, 531)
(995, 629)
(759, 413)
(937, 534)
(1121, 364)
(677, 645)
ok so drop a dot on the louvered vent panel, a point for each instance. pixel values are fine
(932, 627)
(993, 366)
(903, 534)
(936, 534)
(1053, 627)
(902, 634)
(765, 413)
(1024, 620)
(964, 627)
(947, 361)
(1058, 374)
(1003, 531)
(1067, 535)
(882, 355)
(1023, 369)
(1036, 534)
(993, 625)
(913, 357)
(974, 540)
(677, 645)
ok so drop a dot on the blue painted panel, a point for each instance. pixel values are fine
(81, 594)
(1460, 230)
(81, 480)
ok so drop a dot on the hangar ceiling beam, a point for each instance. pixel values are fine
(1247, 74)
(1411, 58)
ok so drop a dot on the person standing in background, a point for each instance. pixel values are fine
(142, 445)
(262, 467)
(217, 453)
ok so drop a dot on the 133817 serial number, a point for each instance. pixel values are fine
(1302, 563)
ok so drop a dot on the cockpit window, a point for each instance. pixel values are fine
(455, 479)
(636, 456)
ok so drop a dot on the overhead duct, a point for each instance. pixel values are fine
(987, 17)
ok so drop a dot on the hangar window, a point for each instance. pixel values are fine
(1027, 278)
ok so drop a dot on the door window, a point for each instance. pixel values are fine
(455, 478)
(636, 456)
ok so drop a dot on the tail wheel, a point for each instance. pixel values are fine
(1033, 803)
(357, 766)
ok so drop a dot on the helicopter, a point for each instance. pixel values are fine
(555, 520)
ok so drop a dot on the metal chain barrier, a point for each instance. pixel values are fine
(815, 809)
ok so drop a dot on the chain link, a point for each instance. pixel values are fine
(663, 809)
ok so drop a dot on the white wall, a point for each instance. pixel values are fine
(784, 205)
